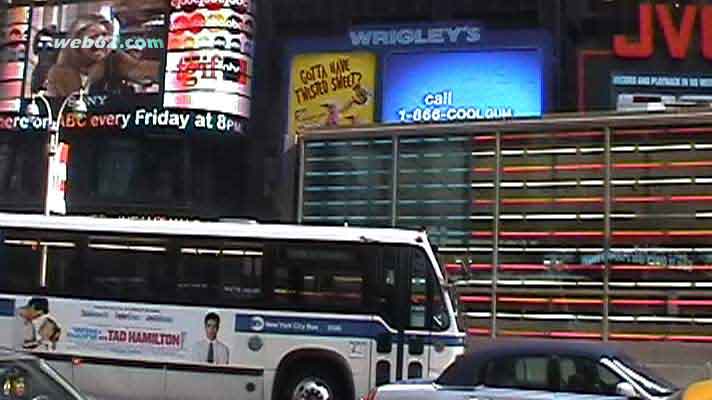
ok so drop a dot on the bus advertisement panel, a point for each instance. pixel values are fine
(121, 330)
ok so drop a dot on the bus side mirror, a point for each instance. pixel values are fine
(384, 343)
(627, 390)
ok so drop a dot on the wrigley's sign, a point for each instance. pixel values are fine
(416, 36)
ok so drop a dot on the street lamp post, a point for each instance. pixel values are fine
(53, 130)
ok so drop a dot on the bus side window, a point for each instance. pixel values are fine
(197, 275)
(65, 267)
(125, 269)
(20, 263)
(241, 274)
(324, 277)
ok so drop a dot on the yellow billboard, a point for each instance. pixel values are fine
(331, 89)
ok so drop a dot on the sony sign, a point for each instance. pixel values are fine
(415, 36)
(678, 36)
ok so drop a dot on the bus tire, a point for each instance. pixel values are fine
(314, 383)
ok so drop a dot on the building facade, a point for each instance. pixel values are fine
(166, 170)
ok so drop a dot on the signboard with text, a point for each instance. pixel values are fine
(440, 72)
(462, 86)
(332, 89)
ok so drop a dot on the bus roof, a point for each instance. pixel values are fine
(209, 229)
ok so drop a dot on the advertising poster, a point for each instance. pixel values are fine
(123, 330)
(332, 89)
(209, 61)
(105, 47)
(450, 86)
(143, 65)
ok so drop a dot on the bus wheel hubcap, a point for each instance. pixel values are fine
(311, 389)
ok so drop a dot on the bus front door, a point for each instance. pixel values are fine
(402, 351)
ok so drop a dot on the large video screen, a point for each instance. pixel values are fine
(183, 64)
(462, 85)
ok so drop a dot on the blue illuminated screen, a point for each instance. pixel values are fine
(462, 85)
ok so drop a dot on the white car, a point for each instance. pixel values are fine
(541, 370)
(23, 376)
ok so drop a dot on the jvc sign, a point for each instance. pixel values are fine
(678, 35)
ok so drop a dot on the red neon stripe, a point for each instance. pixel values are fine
(587, 302)
(691, 303)
(526, 201)
(532, 168)
(581, 267)
(690, 233)
(575, 335)
(639, 199)
(525, 334)
(578, 167)
(522, 267)
(475, 299)
(637, 302)
(484, 202)
(689, 338)
(577, 200)
(584, 302)
(524, 234)
(528, 169)
(564, 135)
(636, 336)
(576, 234)
(453, 267)
(691, 164)
(539, 235)
(638, 165)
(481, 234)
(691, 198)
(690, 130)
(523, 300)
(484, 138)
(638, 234)
(478, 331)
(594, 167)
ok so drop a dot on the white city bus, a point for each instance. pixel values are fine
(140, 309)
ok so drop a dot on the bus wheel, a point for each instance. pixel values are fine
(314, 384)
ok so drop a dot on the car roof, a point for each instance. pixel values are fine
(468, 365)
(501, 348)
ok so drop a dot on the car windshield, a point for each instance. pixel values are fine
(644, 377)
(34, 379)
